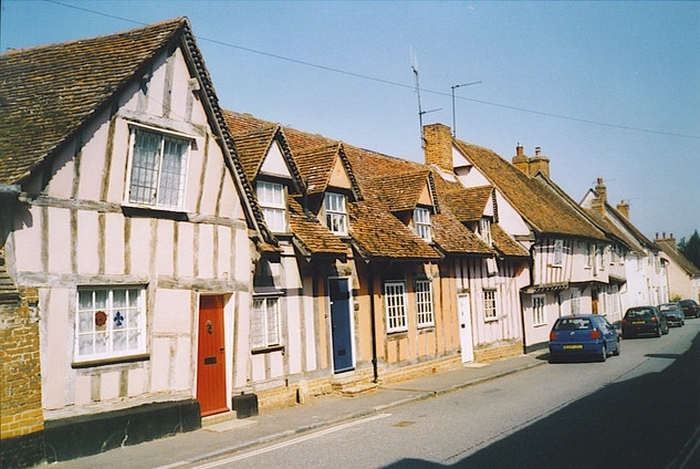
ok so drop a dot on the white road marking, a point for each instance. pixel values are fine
(294, 441)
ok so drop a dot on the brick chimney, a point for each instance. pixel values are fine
(438, 146)
(539, 163)
(671, 241)
(601, 197)
(520, 160)
(624, 208)
(530, 165)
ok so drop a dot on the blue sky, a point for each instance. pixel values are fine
(606, 89)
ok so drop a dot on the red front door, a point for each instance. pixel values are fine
(211, 356)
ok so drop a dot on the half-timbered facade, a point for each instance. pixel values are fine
(127, 214)
(566, 250)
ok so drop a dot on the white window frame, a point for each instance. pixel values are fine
(485, 231)
(575, 301)
(336, 212)
(424, 303)
(167, 188)
(490, 304)
(265, 326)
(396, 304)
(539, 318)
(558, 252)
(107, 328)
(272, 200)
(421, 223)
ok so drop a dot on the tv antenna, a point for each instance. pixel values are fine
(420, 109)
(454, 123)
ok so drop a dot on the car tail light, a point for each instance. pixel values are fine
(654, 319)
(552, 336)
(595, 334)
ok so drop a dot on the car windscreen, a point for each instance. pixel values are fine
(668, 308)
(573, 324)
(640, 313)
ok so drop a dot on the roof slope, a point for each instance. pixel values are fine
(683, 262)
(544, 211)
(48, 92)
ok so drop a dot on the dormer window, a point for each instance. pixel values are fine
(421, 223)
(272, 202)
(158, 169)
(336, 211)
(485, 230)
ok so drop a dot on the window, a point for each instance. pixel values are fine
(485, 231)
(538, 316)
(265, 322)
(158, 169)
(110, 323)
(490, 311)
(272, 201)
(421, 223)
(424, 303)
(336, 213)
(558, 251)
(589, 255)
(395, 298)
(575, 301)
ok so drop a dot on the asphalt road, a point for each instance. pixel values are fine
(638, 410)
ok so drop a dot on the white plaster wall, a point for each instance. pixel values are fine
(27, 238)
(56, 348)
(87, 250)
(185, 261)
(59, 241)
(114, 244)
(164, 261)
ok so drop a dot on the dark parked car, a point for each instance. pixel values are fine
(690, 308)
(644, 320)
(673, 313)
(589, 335)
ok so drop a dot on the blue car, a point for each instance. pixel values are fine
(588, 336)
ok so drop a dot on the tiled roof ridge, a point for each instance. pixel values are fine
(100, 37)
(24, 63)
(232, 158)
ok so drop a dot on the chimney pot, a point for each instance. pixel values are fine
(538, 151)
(519, 150)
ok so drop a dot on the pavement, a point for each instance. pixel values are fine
(221, 436)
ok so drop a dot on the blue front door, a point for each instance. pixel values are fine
(340, 324)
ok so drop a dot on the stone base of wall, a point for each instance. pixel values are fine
(498, 351)
(76, 437)
(23, 451)
(406, 372)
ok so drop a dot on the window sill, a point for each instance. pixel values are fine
(111, 361)
(144, 211)
(270, 349)
(490, 319)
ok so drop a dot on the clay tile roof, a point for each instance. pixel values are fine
(48, 92)
(379, 234)
(315, 238)
(454, 238)
(467, 203)
(251, 148)
(316, 164)
(546, 212)
(398, 191)
(506, 245)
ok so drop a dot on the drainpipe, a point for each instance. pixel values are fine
(373, 327)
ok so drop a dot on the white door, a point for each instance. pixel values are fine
(465, 327)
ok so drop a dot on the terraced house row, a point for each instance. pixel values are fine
(162, 257)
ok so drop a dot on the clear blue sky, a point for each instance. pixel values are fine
(607, 89)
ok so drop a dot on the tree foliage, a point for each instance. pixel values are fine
(691, 248)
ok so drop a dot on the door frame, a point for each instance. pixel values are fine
(351, 323)
(223, 395)
(466, 339)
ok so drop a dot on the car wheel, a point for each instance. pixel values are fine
(603, 353)
(617, 350)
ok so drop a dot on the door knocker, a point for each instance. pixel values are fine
(209, 326)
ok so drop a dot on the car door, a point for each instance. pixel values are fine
(610, 334)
